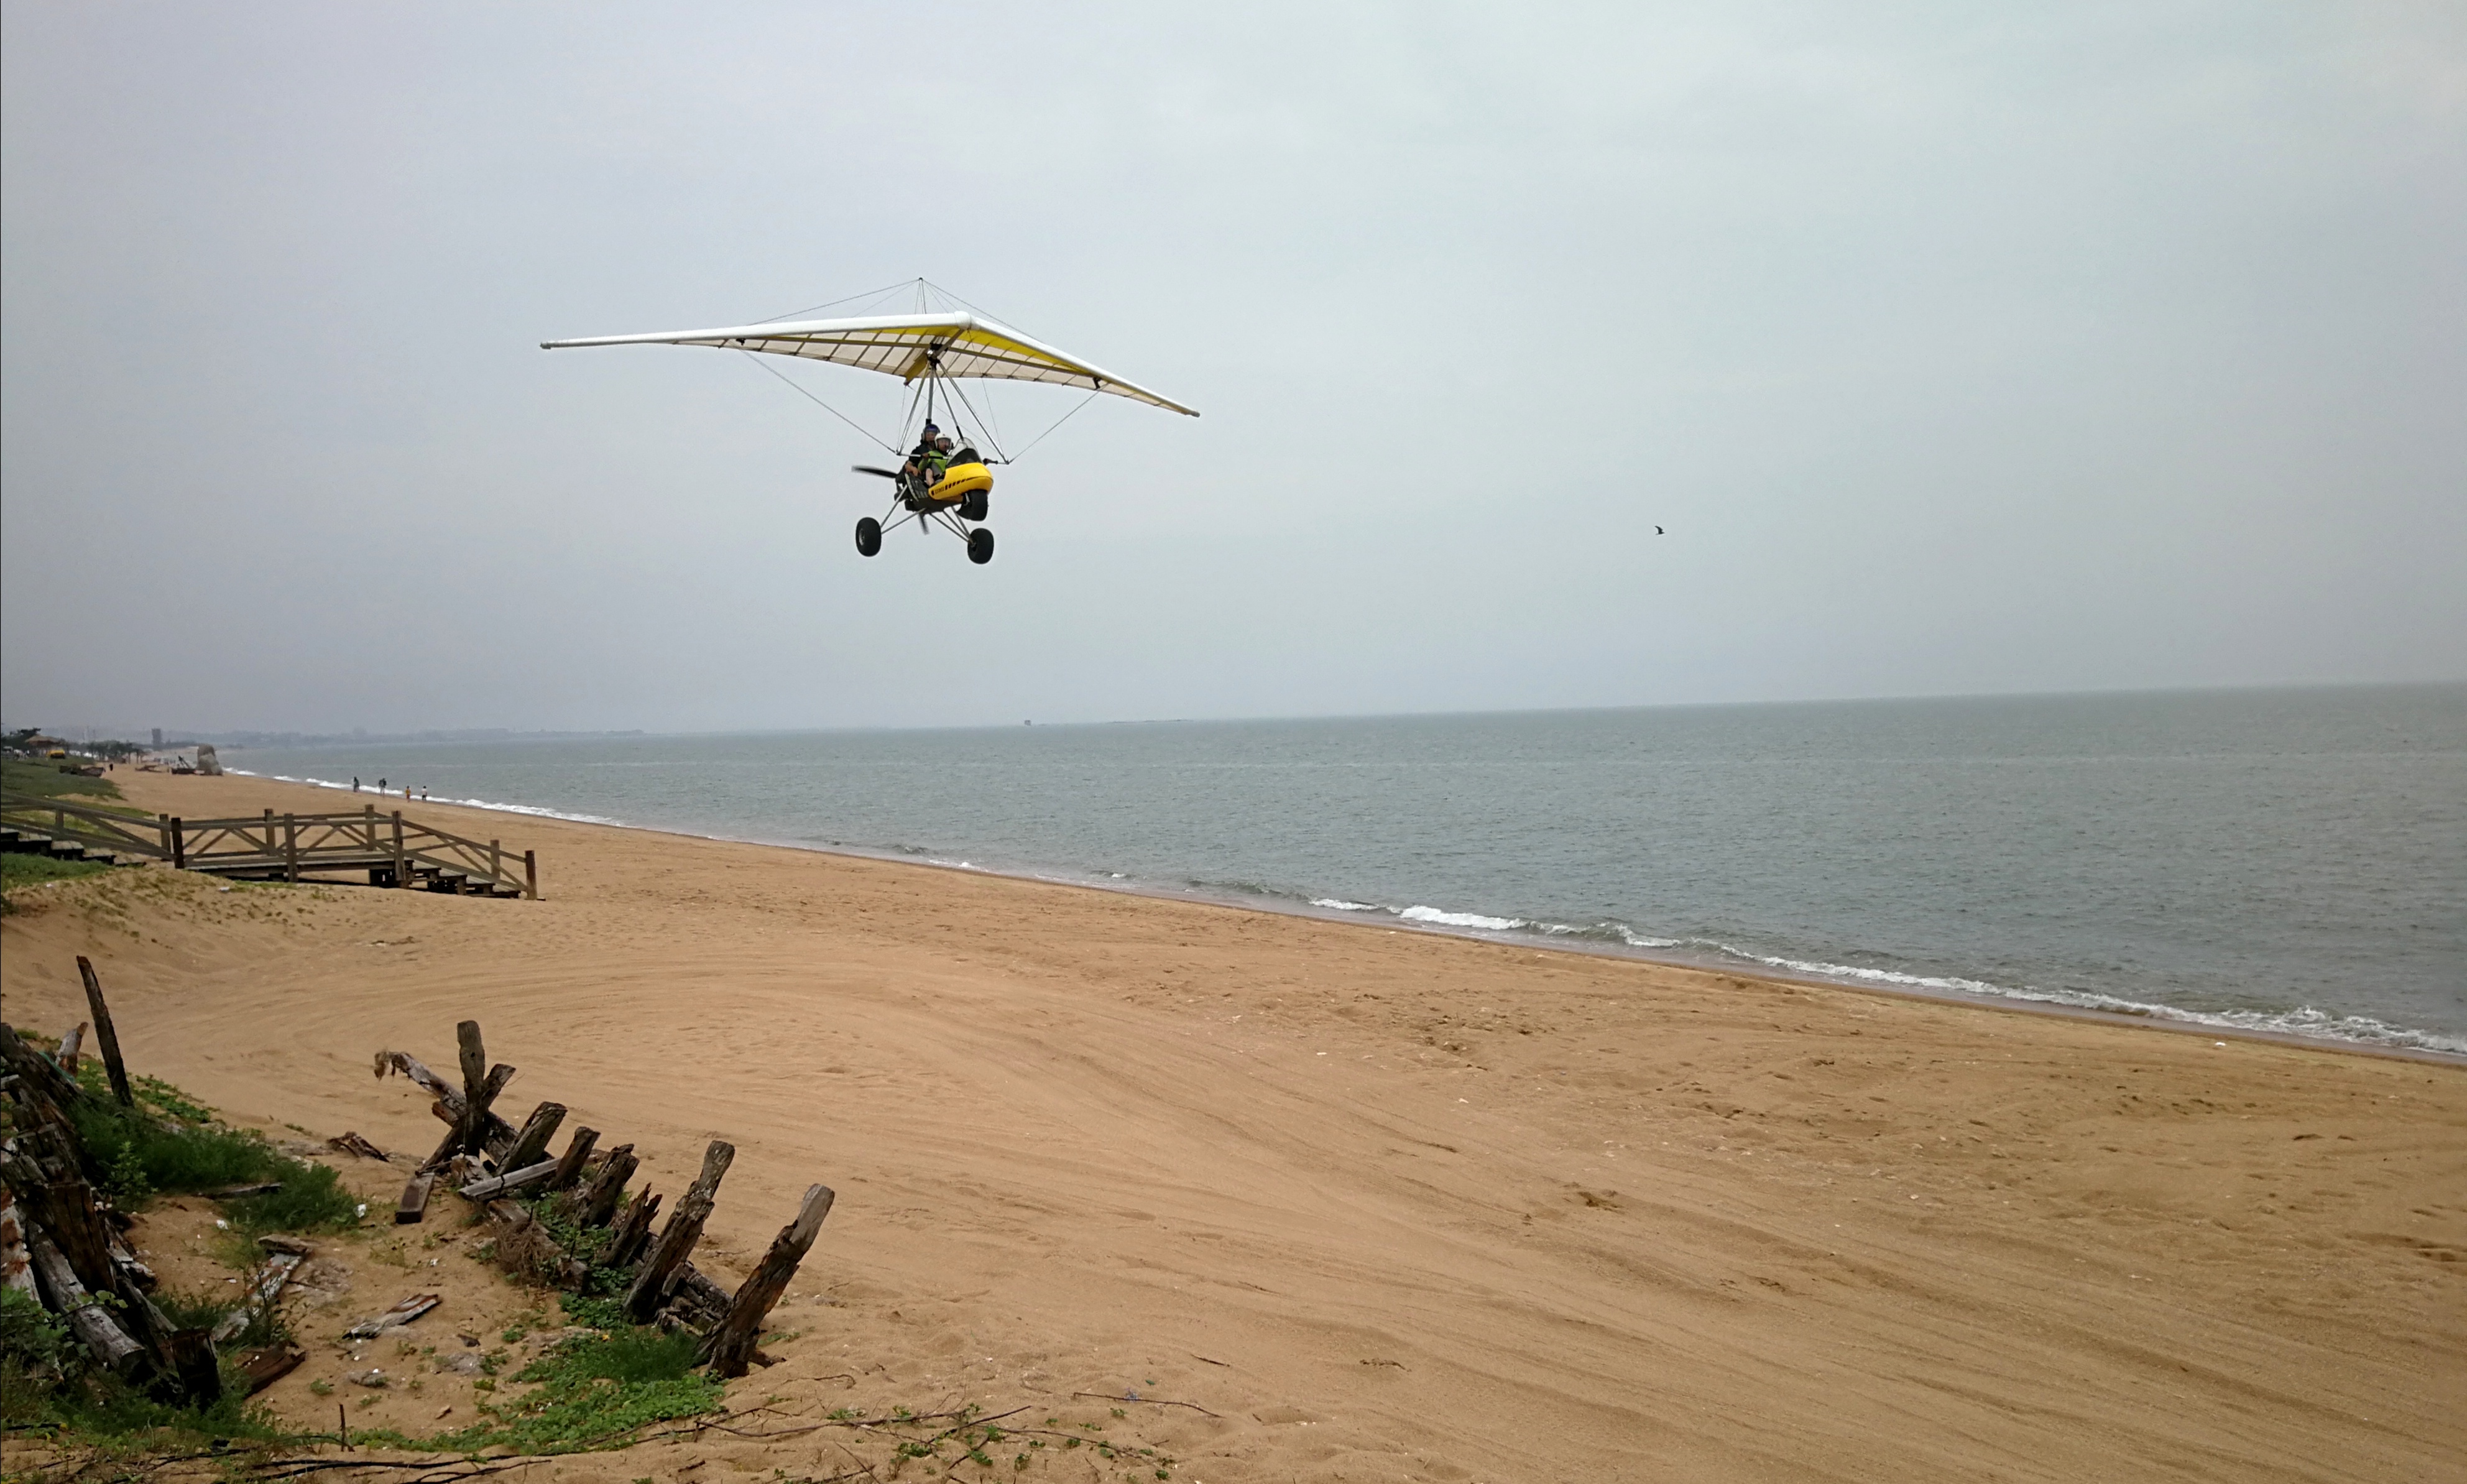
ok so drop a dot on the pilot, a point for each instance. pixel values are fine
(939, 462)
(920, 463)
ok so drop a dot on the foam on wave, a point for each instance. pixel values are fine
(535, 811)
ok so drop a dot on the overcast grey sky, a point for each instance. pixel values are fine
(1958, 348)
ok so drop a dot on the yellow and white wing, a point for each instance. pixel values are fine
(907, 347)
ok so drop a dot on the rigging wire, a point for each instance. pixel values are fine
(871, 293)
(819, 402)
(1057, 422)
(982, 425)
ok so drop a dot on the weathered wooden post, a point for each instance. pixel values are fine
(496, 865)
(179, 845)
(729, 1347)
(105, 1035)
(595, 1205)
(532, 1141)
(471, 1122)
(530, 875)
(678, 1237)
(401, 876)
(290, 848)
(163, 834)
(67, 1054)
(569, 1167)
(633, 1231)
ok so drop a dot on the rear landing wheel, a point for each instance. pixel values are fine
(868, 536)
(980, 546)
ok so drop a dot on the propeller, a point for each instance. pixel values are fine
(866, 468)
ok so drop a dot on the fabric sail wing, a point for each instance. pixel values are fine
(907, 347)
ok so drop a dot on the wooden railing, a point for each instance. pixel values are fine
(394, 851)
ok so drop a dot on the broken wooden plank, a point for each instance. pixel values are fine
(393, 1318)
(729, 1348)
(68, 1053)
(677, 1239)
(106, 1037)
(262, 1290)
(262, 1368)
(414, 1204)
(508, 1183)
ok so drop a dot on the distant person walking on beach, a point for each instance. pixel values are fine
(355, 783)
(382, 788)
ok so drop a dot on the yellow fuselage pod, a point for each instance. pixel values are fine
(962, 479)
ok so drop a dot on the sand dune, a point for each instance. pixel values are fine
(1388, 1206)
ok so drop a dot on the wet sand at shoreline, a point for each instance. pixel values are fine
(1388, 1204)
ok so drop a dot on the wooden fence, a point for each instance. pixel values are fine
(394, 851)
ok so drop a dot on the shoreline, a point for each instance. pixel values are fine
(1400, 1205)
(2146, 1017)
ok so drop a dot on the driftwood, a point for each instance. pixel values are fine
(414, 1204)
(677, 1239)
(632, 1233)
(67, 1054)
(508, 1183)
(532, 1143)
(352, 1144)
(106, 1037)
(729, 1348)
(449, 1099)
(106, 1341)
(596, 1202)
(262, 1293)
(262, 1368)
(569, 1168)
(393, 1318)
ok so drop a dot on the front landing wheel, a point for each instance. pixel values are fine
(980, 546)
(868, 536)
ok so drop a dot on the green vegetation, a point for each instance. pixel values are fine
(172, 1142)
(44, 778)
(33, 870)
(592, 1392)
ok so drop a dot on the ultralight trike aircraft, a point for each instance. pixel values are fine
(932, 352)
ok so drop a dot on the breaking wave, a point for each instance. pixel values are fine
(535, 811)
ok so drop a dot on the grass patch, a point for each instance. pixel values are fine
(172, 1142)
(33, 870)
(46, 1385)
(590, 1392)
(45, 780)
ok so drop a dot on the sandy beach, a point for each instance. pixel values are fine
(1374, 1205)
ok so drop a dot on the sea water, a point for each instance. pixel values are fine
(2287, 859)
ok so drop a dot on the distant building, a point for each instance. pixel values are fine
(158, 739)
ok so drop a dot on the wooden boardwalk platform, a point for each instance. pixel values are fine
(393, 850)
